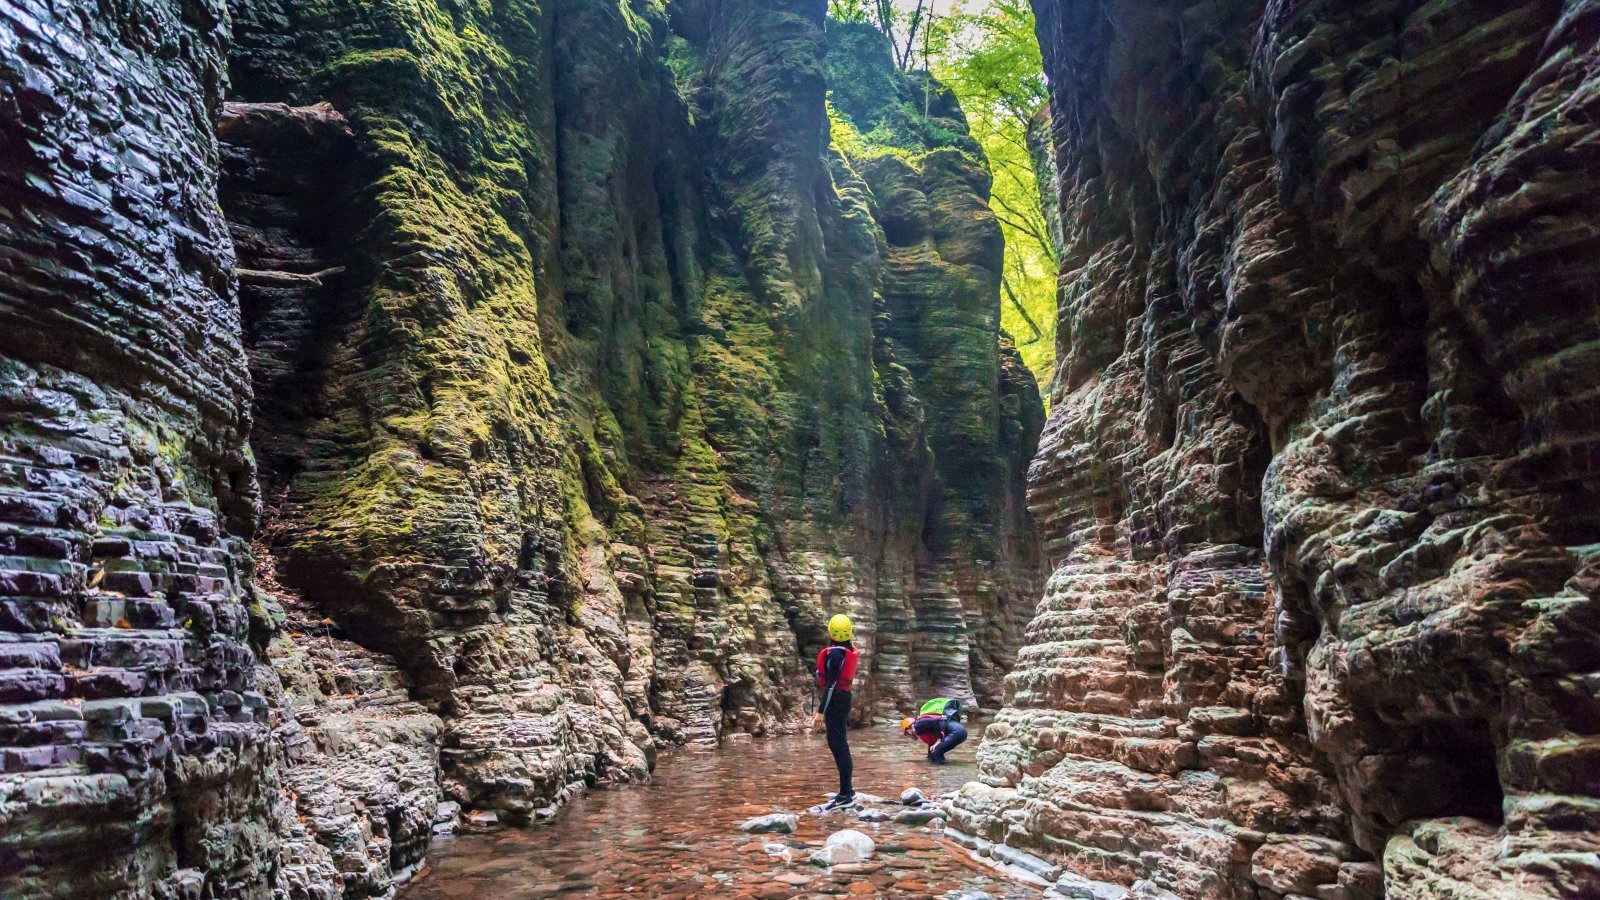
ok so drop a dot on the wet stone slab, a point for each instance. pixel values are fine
(679, 838)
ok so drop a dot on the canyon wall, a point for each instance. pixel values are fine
(420, 405)
(1318, 486)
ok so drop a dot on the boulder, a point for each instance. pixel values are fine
(920, 815)
(848, 845)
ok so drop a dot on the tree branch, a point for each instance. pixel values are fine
(1016, 303)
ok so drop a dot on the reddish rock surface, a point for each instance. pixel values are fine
(1318, 483)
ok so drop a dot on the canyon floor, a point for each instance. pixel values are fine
(678, 837)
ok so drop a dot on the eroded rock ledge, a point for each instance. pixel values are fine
(1318, 484)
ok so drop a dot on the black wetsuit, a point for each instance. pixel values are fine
(835, 709)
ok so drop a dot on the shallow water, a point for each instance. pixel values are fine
(678, 837)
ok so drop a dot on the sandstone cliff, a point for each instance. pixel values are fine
(417, 403)
(1318, 482)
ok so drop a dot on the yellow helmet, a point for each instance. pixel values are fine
(840, 629)
(905, 725)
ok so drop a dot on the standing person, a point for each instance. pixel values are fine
(938, 725)
(836, 672)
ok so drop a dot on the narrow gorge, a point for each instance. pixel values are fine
(422, 411)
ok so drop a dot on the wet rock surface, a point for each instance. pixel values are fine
(679, 836)
(1317, 486)
(135, 753)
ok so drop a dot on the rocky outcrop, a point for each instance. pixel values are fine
(1317, 486)
(131, 718)
(416, 404)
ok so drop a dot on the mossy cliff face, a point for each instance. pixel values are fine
(967, 416)
(1317, 486)
(512, 389)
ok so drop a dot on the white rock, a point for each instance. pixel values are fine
(1149, 890)
(776, 823)
(857, 844)
(1077, 887)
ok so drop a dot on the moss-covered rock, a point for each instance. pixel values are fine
(594, 367)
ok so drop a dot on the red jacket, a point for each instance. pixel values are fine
(930, 728)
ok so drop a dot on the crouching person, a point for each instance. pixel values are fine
(938, 725)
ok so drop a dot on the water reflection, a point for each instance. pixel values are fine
(677, 837)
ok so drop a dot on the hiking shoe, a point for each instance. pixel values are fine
(840, 802)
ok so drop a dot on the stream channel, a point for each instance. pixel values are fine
(678, 837)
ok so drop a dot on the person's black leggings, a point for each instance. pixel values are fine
(954, 734)
(837, 718)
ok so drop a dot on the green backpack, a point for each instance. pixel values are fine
(942, 706)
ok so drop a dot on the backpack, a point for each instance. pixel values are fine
(942, 706)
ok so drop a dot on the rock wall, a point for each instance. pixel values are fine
(131, 717)
(1318, 484)
(418, 404)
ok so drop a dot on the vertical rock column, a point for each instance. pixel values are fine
(956, 397)
(1318, 484)
(133, 745)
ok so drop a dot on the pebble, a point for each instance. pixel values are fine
(858, 868)
(912, 797)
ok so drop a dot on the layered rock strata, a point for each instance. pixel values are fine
(418, 404)
(131, 717)
(1317, 487)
